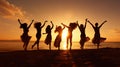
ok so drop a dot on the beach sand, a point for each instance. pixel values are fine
(104, 57)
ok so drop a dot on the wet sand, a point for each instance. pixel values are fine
(105, 57)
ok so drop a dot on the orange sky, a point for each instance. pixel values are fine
(59, 11)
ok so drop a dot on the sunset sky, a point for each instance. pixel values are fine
(59, 11)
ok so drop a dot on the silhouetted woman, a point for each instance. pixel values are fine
(71, 27)
(58, 39)
(49, 36)
(97, 39)
(25, 37)
(38, 34)
(83, 35)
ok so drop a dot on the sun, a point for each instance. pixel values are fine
(64, 36)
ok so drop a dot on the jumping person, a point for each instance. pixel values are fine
(25, 37)
(38, 27)
(97, 39)
(49, 36)
(58, 39)
(83, 35)
(71, 27)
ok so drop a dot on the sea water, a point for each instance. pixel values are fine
(18, 45)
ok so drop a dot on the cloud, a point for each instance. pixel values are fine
(10, 11)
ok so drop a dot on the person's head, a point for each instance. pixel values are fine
(96, 24)
(73, 25)
(81, 26)
(24, 25)
(58, 29)
(38, 24)
(48, 26)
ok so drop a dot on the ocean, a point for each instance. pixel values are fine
(18, 45)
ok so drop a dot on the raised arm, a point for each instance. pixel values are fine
(90, 23)
(102, 23)
(63, 28)
(30, 24)
(86, 22)
(65, 25)
(44, 24)
(77, 24)
(19, 21)
(52, 24)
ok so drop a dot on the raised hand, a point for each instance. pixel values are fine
(105, 21)
(19, 20)
(32, 20)
(77, 21)
(51, 22)
(86, 20)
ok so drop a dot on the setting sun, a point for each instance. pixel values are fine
(64, 36)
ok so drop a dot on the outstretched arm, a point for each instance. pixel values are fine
(90, 23)
(65, 25)
(63, 28)
(102, 23)
(30, 24)
(44, 24)
(19, 21)
(52, 24)
(77, 24)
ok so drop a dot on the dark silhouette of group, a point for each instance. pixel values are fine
(97, 39)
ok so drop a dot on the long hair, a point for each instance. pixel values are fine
(73, 25)
(58, 29)
(38, 24)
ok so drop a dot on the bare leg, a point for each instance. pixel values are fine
(27, 42)
(70, 43)
(59, 48)
(34, 44)
(67, 42)
(50, 46)
(38, 45)
(98, 46)
(82, 44)
(24, 45)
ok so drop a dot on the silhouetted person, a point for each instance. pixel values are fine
(97, 39)
(71, 27)
(58, 39)
(25, 37)
(38, 27)
(49, 36)
(83, 35)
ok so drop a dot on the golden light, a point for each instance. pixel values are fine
(64, 45)
(64, 36)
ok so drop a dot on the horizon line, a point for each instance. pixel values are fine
(43, 40)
